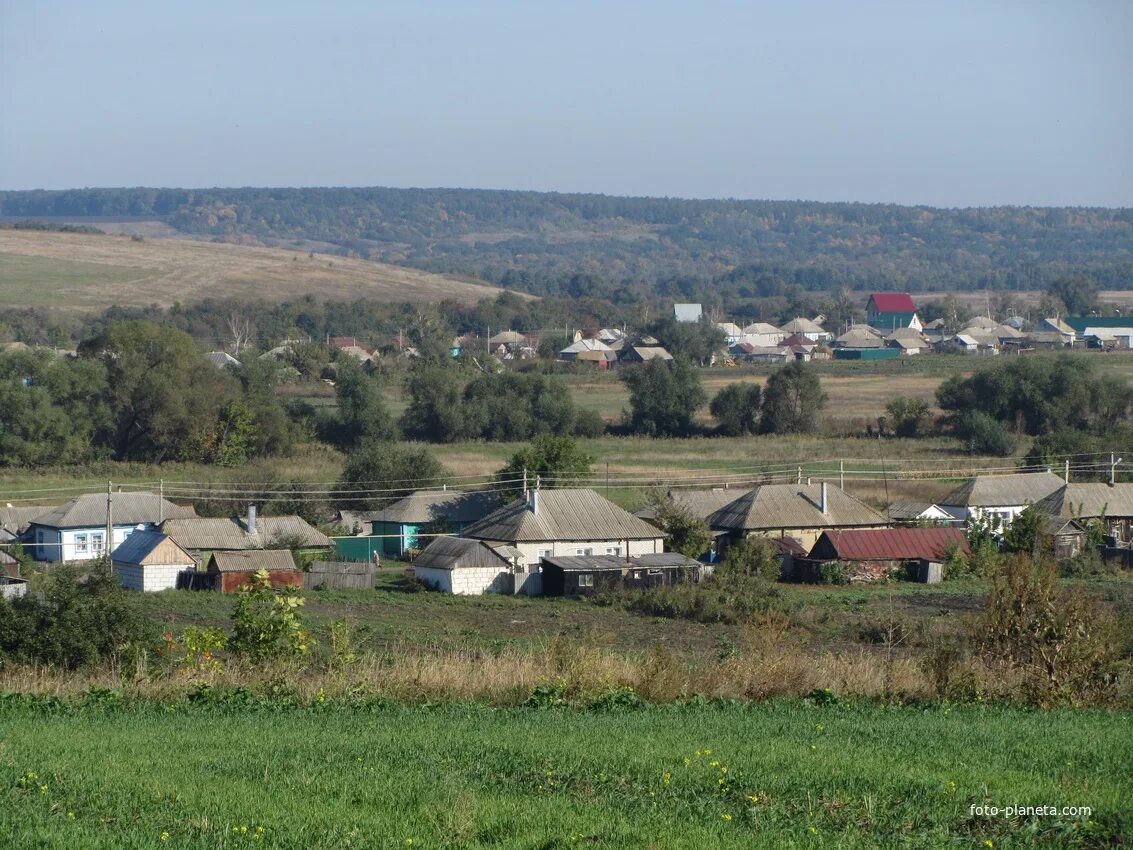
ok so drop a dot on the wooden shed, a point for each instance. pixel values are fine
(583, 575)
(235, 568)
(149, 561)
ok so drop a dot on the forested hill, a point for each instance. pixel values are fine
(540, 242)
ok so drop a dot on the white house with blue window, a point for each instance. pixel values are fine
(76, 531)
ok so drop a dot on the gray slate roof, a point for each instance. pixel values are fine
(774, 506)
(699, 503)
(139, 545)
(451, 553)
(562, 515)
(427, 505)
(231, 533)
(5, 558)
(1090, 499)
(127, 509)
(16, 520)
(910, 510)
(990, 491)
(271, 560)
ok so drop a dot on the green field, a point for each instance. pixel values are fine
(382, 775)
(51, 282)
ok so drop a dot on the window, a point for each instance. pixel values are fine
(614, 550)
(546, 553)
(585, 579)
(96, 542)
(589, 551)
(81, 547)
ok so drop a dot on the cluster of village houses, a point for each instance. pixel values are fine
(561, 542)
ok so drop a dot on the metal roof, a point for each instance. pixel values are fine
(893, 302)
(231, 533)
(665, 559)
(651, 352)
(1090, 499)
(451, 553)
(272, 560)
(687, 312)
(5, 558)
(775, 506)
(889, 544)
(561, 515)
(126, 509)
(990, 491)
(150, 548)
(428, 505)
(588, 563)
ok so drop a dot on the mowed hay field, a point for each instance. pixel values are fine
(92, 272)
(373, 774)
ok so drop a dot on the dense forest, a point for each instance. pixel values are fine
(578, 245)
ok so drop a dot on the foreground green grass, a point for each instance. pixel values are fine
(777, 774)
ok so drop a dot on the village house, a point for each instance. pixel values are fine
(643, 354)
(873, 554)
(998, 499)
(464, 566)
(8, 565)
(891, 310)
(583, 575)
(549, 523)
(732, 332)
(202, 535)
(221, 359)
(76, 530)
(1095, 500)
(150, 561)
(919, 513)
(592, 351)
(687, 312)
(802, 511)
(762, 335)
(808, 328)
(234, 569)
(14, 522)
(400, 524)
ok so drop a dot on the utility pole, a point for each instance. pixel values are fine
(160, 501)
(107, 544)
(842, 475)
(1114, 460)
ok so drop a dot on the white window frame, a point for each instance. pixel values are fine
(616, 551)
(546, 553)
(97, 542)
(586, 579)
(587, 551)
(82, 544)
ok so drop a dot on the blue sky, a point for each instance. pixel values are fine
(949, 104)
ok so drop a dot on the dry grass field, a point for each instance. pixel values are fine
(91, 272)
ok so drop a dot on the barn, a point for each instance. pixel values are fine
(149, 561)
(871, 554)
(235, 568)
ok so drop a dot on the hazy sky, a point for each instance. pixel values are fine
(949, 103)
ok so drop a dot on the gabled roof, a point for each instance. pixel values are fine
(507, 338)
(983, 323)
(860, 338)
(568, 515)
(1056, 325)
(776, 506)
(699, 503)
(6, 559)
(650, 352)
(730, 328)
(1089, 500)
(800, 340)
(220, 359)
(89, 510)
(150, 548)
(991, 491)
(804, 326)
(917, 510)
(16, 520)
(428, 505)
(761, 328)
(889, 544)
(586, 345)
(452, 553)
(892, 302)
(201, 533)
(272, 560)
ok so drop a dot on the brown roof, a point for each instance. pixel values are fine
(562, 515)
(774, 506)
(272, 560)
(203, 533)
(888, 544)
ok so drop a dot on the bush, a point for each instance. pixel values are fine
(589, 423)
(832, 572)
(982, 434)
(266, 621)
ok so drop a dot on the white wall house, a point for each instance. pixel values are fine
(998, 499)
(150, 561)
(762, 335)
(76, 531)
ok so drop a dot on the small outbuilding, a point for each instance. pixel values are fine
(467, 567)
(872, 554)
(235, 568)
(149, 561)
(583, 575)
(8, 565)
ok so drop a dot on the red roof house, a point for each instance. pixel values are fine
(888, 544)
(891, 310)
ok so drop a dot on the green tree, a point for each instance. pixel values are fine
(362, 413)
(663, 397)
(792, 401)
(436, 411)
(685, 532)
(982, 434)
(1027, 532)
(697, 341)
(165, 398)
(1078, 294)
(907, 415)
(556, 461)
(378, 472)
(736, 408)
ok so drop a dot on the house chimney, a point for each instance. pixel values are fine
(251, 523)
(1066, 471)
(823, 500)
(533, 500)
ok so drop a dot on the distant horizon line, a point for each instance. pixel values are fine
(733, 199)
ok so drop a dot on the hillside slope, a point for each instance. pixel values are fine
(90, 272)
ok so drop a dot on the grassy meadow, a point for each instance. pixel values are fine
(366, 773)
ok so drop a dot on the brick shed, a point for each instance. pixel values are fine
(236, 568)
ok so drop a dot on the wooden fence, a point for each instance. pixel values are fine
(338, 575)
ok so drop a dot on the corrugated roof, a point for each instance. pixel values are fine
(5, 558)
(699, 503)
(589, 563)
(562, 515)
(665, 559)
(452, 553)
(885, 544)
(651, 352)
(586, 345)
(912, 510)
(272, 560)
(428, 505)
(140, 545)
(1090, 499)
(231, 533)
(16, 520)
(893, 302)
(127, 509)
(762, 328)
(990, 491)
(774, 506)
(804, 326)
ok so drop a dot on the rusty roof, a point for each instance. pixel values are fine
(891, 544)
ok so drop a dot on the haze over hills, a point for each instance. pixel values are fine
(94, 271)
(537, 242)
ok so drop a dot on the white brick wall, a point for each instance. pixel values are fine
(148, 579)
(469, 581)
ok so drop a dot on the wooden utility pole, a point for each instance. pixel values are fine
(107, 544)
